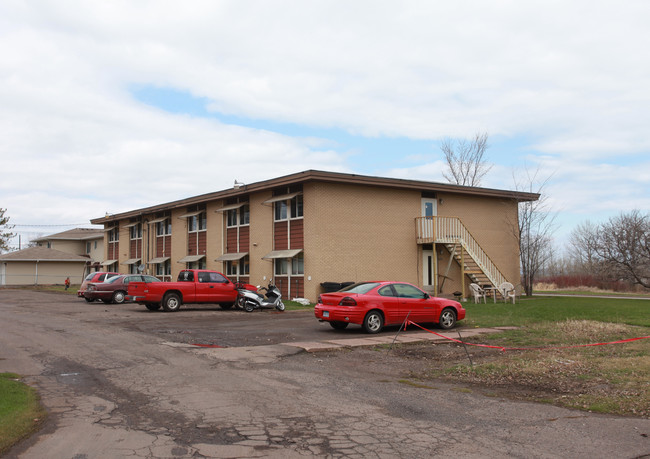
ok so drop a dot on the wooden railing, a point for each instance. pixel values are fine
(451, 230)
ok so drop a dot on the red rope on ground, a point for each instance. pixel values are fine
(523, 348)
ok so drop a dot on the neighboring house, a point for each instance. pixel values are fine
(86, 242)
(41, 266)
(314, 227)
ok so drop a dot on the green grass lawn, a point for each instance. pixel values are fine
(538, 309)
(20, 410)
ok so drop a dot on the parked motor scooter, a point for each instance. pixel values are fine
(250, 300)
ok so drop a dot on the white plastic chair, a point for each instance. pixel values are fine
(478, 293)
(507, 290)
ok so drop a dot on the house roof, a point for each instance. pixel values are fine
(323, 176)
(41, 254)
(77, 234)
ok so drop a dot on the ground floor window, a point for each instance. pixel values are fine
(200, 264)
(164, 269)
(281, 267)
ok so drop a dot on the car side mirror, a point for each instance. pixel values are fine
(426, 296)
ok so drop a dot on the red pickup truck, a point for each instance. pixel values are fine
(193, 286)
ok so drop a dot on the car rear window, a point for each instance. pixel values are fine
(361, 287)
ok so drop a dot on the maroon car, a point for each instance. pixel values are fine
(114, 290)
(98, 276)
(375, 304)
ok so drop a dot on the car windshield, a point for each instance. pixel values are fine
(361, 287)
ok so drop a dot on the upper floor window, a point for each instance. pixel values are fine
(136, 231)
(88, 247)
(164, 228)
(289, 209)
(197, 222)
(244, 215)
(114, 235)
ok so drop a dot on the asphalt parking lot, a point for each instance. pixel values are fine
(122, 381)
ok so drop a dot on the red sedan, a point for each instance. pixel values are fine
(375, 304)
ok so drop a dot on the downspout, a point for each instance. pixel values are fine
(36, 273)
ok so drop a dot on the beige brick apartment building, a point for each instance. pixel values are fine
(313, 227)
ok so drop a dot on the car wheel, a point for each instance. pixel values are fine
(249, 306)
(171, 302)
(339, 325)
(280, 306)
(374, 322)
(153, 306)
(447, 319)
(226, 305)
(119, 297)
(89, 300)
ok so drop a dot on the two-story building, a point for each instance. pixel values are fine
(314, 227)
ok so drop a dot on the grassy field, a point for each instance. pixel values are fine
(20, 410)
(608, 378)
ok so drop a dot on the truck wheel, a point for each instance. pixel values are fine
(153, 306)
(171, 302)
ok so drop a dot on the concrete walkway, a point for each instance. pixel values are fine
(269, 353)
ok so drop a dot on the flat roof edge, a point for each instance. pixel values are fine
(326, 176)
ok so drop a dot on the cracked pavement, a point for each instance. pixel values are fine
(121, 382)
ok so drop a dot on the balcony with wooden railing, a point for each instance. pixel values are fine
(451, 232)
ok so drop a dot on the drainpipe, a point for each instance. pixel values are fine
(36, 273)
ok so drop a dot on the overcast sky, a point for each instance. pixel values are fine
(113, 106)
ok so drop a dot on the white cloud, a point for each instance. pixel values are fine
(567, 74)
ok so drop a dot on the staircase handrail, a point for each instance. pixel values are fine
(451, 230)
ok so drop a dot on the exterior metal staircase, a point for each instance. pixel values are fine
(454, 235)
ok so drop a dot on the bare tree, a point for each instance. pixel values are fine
(466, 160)
(623, 245)
(583, 245)
(534, 230)
(5, 234)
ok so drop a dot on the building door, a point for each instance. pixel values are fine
(429, 210)
(429, 207)
(428, 271)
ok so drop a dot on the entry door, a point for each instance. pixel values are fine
(427, 268)
(429, 210)
(429, 207)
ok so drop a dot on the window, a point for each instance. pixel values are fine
(114, 235)
(281, 266)
(197, 222)
(386, 291)
(136, 231)
(280, 210)
(231, 268)
(298, 264)
(164, 228)
(291, 208)
(245, 266)
(95, 245)
(164, 269)
(196, 264)
(207, 277)
(232, 217)
(245, 215)
(88, 247)
(296, 207)
(408, 291)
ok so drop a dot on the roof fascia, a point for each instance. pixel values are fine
(315, 176)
